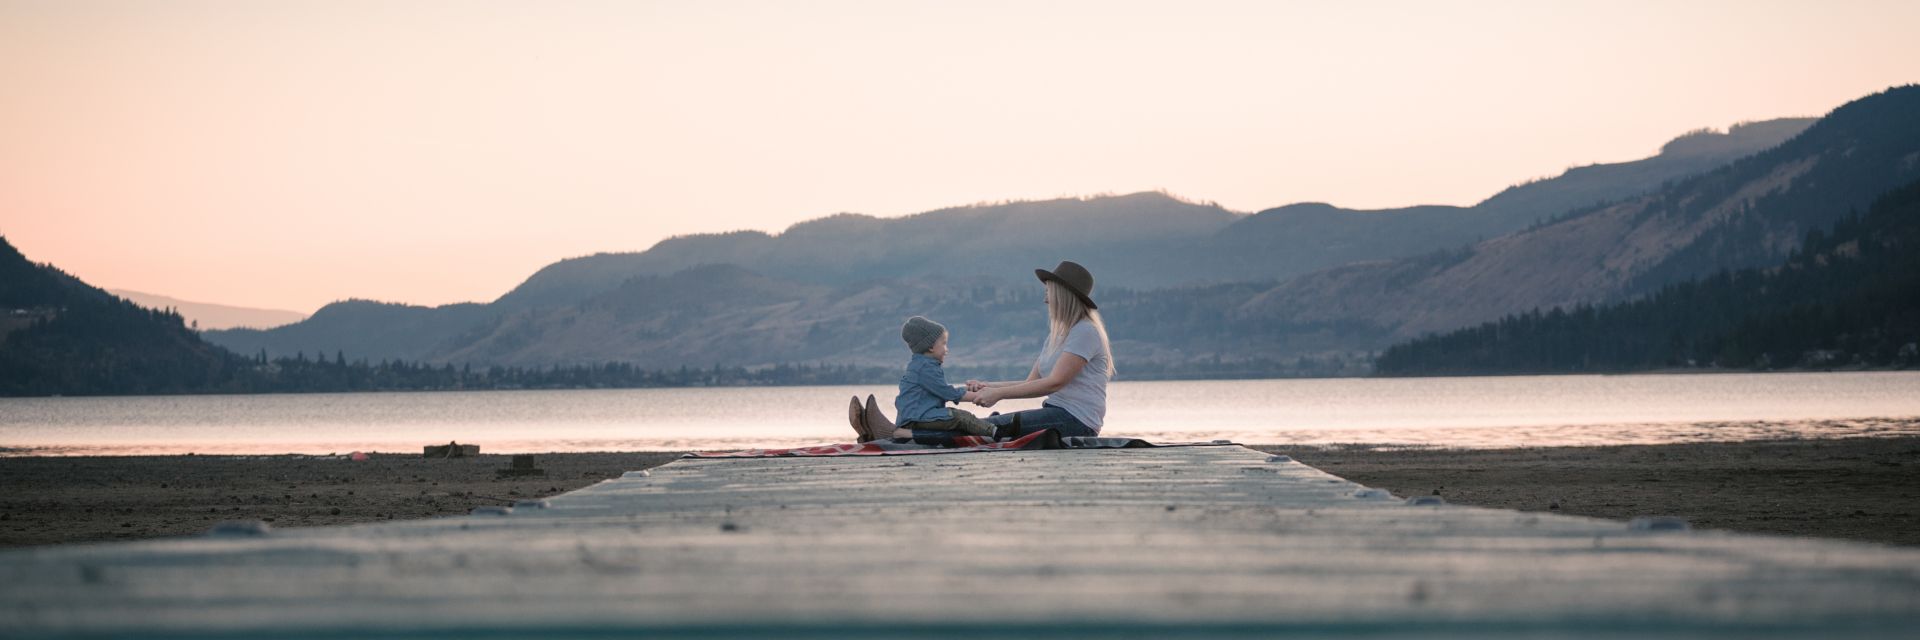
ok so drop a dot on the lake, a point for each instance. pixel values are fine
(1474, 412)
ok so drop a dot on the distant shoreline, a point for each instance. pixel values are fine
(963, 374)
(1666, 371)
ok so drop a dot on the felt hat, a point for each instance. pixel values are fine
(920, 333)
(1074, 277)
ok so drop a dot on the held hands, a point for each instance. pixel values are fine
(975, 385)
(984, 397)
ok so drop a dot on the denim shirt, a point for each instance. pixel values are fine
(924, 392)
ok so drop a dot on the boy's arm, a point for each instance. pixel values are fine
(934, 380)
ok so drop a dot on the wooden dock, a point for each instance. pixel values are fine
(1213, 541)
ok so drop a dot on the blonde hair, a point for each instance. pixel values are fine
(1067, 310)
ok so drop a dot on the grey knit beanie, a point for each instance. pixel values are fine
(920, 333)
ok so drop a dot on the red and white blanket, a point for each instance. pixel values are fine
(962, 444)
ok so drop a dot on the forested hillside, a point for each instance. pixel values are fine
(61, 336)
(1848, 297)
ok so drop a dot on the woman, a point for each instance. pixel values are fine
(1071, 372)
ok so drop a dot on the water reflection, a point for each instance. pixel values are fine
(1445, 412)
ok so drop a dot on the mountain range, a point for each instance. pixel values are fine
(1745, 247)
(1749, 213)
(1179, 281)
(1143, 240)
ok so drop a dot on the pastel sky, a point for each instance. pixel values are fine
(286, 154)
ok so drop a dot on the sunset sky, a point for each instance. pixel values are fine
(287, 154)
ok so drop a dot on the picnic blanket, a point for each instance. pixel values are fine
(1047, 439)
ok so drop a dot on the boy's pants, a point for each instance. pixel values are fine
(961, 421)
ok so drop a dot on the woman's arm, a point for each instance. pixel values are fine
(1068, 366)
(976, 385)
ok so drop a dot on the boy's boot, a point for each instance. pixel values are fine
(878, 425)
(858, 420)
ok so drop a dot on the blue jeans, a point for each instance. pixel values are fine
(1030, 421)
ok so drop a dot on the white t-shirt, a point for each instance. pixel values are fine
(1085, 396)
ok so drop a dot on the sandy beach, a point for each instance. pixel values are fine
(1852, 488)
(1860, 488)
(52, 500)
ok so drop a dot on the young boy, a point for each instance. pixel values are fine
(924, 392)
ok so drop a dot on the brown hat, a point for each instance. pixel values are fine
(1074, 277)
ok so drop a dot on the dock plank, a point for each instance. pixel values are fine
(1207, 541)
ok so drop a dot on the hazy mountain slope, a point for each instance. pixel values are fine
(362, 329)
(944, 248)
(1750, 212)
(575, 279)
(1689, 154)
(1297, 238)
(1294, 239)
(655, 321)
(947, 242)
(208, 316)
(1165, 241)
(726, 315)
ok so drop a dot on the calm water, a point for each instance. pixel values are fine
(1456, 412)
